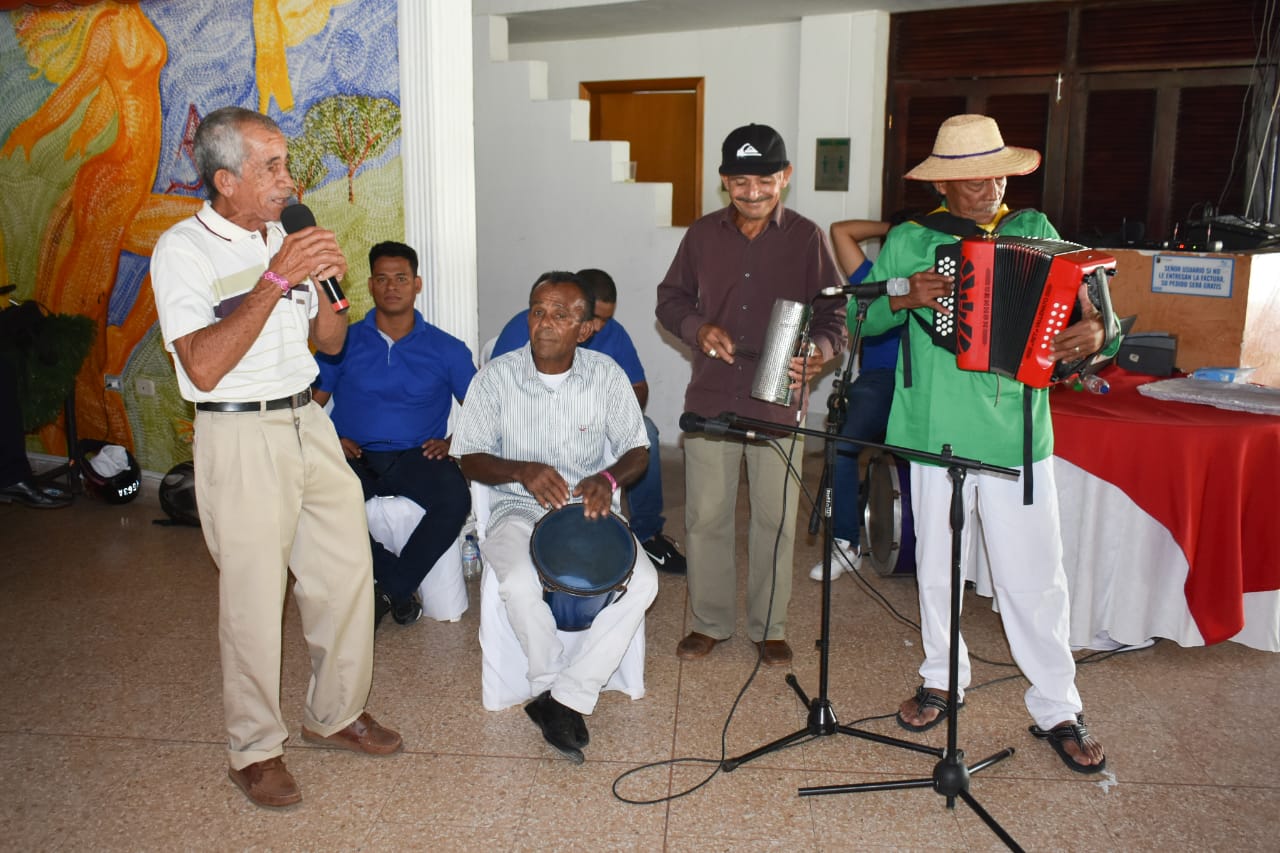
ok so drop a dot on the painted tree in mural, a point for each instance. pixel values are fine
(306, 164)
(354, 128)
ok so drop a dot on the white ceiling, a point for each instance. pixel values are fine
(564, 20)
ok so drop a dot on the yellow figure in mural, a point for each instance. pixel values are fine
(277, 25)
(106, 58)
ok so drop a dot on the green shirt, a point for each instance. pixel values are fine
(978, 414)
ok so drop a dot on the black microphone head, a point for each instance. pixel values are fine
(689, 422)
(297, 216)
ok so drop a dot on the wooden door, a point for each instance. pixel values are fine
(662, 119)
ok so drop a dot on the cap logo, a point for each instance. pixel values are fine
(748, 150)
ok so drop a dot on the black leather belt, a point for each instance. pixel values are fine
(297, 400)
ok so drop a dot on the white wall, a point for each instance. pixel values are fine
(546, 198)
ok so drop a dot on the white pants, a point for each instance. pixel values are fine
(1024, 550)
(576, 681)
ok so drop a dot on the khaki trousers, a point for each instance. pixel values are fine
(711, 470)
(275, 495)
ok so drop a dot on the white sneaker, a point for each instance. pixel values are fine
(843, 555)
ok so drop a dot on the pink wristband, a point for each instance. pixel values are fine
(278, 280)
(612, 482)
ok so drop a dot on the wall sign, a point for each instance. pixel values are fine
(1192, 276)
(833, 165)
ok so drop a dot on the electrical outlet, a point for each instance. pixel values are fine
(145, 388)
(113, 382)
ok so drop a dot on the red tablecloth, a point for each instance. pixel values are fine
(1208, 475)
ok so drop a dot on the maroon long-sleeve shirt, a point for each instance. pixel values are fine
(718, 276)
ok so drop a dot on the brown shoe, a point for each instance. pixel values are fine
(695, 646)
(364, 735)
(774, 652)
(267, 783)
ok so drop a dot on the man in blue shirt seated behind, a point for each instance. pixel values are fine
(644, 497)
(393, 386)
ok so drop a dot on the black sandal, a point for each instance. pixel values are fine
(1063, 732)
(927, 699)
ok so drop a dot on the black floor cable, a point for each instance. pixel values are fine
(751, 677)
(1093, 657)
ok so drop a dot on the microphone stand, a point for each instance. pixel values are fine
(950, 775)
(837, 416)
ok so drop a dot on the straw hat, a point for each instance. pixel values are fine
(970, 147)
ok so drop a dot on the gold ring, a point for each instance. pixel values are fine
(711, 353)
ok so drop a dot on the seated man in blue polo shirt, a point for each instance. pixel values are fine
(644, 497)
(393, 386)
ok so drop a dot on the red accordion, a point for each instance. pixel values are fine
(1013, 296)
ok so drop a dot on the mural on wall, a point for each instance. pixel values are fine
(98, 106)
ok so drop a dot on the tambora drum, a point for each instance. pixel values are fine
(890, 524)
(584, 564)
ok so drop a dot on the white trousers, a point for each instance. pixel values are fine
(1024, 550)
(573, 681)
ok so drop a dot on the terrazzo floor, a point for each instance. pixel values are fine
(111, 726)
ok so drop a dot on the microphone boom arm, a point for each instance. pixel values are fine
(946, 457)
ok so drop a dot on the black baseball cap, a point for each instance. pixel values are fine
(755, 149)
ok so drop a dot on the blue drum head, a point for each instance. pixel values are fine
(581, 562)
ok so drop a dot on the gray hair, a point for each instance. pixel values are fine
(219, 142)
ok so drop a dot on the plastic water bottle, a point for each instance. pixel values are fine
(470, 557)
(1094, 384)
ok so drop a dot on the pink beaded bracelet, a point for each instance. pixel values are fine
(612, 482)
(278, 280)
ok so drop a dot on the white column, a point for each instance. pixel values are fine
(438, 154)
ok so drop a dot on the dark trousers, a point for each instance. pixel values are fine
(436, 485)
(868, 415)
(13, 449)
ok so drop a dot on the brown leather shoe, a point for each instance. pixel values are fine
(364, 735)
(774, 652)
(695, 646)
(267, 783)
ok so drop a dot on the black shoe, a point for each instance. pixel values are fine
(663, 554)
(406, 612)
(581, 736)
(557, 725)
(36, 497)
(381, 605)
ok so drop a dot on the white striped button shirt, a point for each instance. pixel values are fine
(578, 428)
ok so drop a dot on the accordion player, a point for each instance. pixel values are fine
(1012, 297)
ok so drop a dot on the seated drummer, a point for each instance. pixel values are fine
(538, 426)
(393, 386)
(644, 497)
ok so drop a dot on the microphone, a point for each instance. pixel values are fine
(871, 289)
(690, 422)
(295, 217)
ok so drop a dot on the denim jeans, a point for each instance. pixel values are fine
(868, 415)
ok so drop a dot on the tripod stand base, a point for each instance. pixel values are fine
(950, 779)
(821, 723)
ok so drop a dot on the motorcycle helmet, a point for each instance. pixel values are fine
(178, 494)
(118, 488)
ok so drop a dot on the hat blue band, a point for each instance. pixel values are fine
(965, 156)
